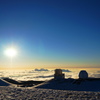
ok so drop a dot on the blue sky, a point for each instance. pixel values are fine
(51, 33)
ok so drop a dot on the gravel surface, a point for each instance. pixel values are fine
(20, 93)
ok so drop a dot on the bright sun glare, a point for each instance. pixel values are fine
(11, 52)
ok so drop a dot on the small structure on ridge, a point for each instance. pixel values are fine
(83, 74)
(58, 74)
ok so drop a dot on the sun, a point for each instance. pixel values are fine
(11, 52)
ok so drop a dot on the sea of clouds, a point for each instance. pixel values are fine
(42, 74)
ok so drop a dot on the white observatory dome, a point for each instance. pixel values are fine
(83, 74)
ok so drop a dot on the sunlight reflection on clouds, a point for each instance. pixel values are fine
(43, 74)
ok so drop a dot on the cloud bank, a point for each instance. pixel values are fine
(65, 70)
(42, 69)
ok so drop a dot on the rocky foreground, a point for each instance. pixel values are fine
(19, 93)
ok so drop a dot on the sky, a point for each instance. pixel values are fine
(50, 33)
